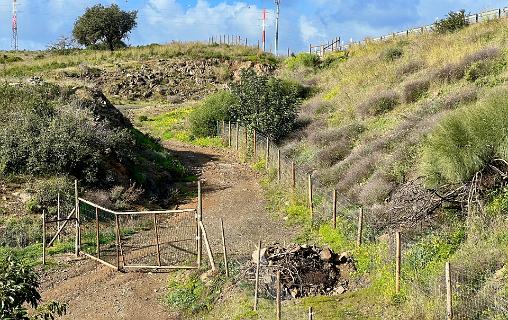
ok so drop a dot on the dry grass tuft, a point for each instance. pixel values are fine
(377, 189)
(415, 90)
(410, 68)
(330, 136)
(466, 95)
(380, 103)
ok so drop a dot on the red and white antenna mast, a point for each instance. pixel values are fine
(263, 36)
(14, 43)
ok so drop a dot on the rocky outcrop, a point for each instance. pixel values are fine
(176, 80)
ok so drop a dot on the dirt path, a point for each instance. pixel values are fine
(230, 191)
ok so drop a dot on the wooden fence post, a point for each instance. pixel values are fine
(293, 176)
(208, 248)
(237, 145)
(43, 237)
(278, 300)
(360, 228)
(77, 242)
(449, 306)
(199, 219)
(311, 205)
(311, 314)
(156, 227)
(256, 285)
(255, 147)
(397, 262)
(279, 173)
(97, 234)
(118, 239)
(226, 266)
(334, 208)
(230, 136)
(58, 215)
(267, 153)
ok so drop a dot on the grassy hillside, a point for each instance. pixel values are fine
(413, 130)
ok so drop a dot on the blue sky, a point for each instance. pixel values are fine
(302, 21)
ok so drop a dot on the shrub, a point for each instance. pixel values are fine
(484, 69)
(9, 59)
(467, 95)
(203, 120)
(334, 153)
(410, 68)
(456, 71)
(306, 60)
(333, 58)
(346, 133)
(20, 232)
(376, 190)
(392, 54)
(466, 141)
(455, 21)
(19, 286)
(268, 104)
(379, 103)
(414, 90)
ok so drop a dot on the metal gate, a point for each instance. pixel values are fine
(168, 239)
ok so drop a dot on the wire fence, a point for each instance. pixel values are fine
(458, 292)
(333, 45)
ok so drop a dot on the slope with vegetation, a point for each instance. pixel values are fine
(412, 129)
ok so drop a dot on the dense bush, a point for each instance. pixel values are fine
(392, 54)
(303, 59)
(455, 21)
(39, 138)
(379, 103)
(203, 120)
(19, 286)
(414, 90)
(268, 104)
(466, 141)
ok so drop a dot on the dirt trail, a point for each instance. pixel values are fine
(230, 191)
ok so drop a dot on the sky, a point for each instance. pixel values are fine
(42, 22)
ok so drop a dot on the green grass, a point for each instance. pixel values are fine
(174, 125)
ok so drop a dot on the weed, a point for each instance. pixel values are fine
(306, 60)
(464, 96)
(410, 67)
(392, 54)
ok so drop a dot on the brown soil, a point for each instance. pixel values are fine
(231, 191)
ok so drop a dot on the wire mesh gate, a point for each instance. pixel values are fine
(168, 239)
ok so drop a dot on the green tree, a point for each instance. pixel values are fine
(266, 103)
(104, 26)
(19, 286)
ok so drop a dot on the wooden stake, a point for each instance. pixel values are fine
(360, 228)
(157, 239)
(258, 264)
(229, 134)
(278, 296)
(207, 245)
(293, 176)
(226, 266)
(43, 237)
(311, 205)
(118, 241)
(97, 234)
(397, 262)
(237, 136)
(334, 208)
(311, 314)
(255, 144)
(246, 139)
(77, 242)
(279, 173)
(58, 216)
(449, 306)
(267, 153)
(199, 219)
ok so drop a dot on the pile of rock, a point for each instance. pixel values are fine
(305, 271)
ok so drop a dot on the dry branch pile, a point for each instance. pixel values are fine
(305, 271)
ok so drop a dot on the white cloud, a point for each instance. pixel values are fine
(308, 31)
